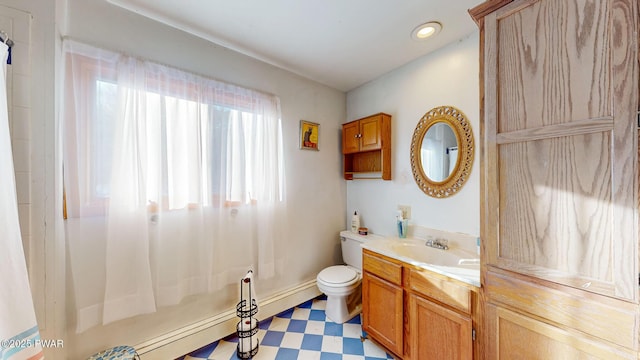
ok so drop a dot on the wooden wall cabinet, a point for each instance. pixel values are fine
(415, 313)
(366, 147)
(559, 182)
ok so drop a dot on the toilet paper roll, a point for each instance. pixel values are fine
(247, 324)
(249, 289)
(247, 344)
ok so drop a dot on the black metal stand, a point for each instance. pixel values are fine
(247, 327)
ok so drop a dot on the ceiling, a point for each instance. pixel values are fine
(340, 43)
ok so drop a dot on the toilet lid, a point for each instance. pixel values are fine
(338, 274)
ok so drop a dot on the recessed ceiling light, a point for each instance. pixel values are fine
(426, 30)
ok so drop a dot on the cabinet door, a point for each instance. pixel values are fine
(382, 312)
(350, 137)
(438, 333)
(560, 151)
(522, 337)
(370, 130)
(559, 186)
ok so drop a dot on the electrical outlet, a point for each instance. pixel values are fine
(406, 211)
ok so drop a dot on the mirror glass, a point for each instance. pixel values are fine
(442, 150)
(439, 152)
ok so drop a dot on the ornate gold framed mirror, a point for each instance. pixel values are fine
(442, 150)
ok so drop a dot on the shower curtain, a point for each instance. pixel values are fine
(19, 335)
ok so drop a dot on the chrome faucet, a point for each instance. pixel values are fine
(441, 244)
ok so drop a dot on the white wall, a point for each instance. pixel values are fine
(448, 76)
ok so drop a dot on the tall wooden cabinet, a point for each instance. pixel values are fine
(559, 182)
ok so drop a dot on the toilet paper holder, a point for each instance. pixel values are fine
(247, 327)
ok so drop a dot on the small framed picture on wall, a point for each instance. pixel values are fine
(309, 135)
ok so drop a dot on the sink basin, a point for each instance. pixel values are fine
(455, 262)
(419, 252)
(425, 254)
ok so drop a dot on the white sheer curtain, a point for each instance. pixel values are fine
(173, 182)
(17, 316)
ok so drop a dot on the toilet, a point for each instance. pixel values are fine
(341, 283)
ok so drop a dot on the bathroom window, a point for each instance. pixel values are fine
(163, 137)
(173, 184)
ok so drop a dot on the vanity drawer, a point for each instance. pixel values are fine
(382, 266)
(440, 288)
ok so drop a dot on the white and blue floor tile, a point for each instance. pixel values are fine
(304, 333)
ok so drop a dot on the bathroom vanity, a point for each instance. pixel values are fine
(420, 302)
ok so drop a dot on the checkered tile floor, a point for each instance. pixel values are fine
(301, 333)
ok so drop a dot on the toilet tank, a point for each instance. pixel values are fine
(351, 249)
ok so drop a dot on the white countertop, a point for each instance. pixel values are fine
(456, 263)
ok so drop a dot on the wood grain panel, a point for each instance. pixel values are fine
(382, 266)
(370, 161)
(441, 289)
(483, 9)
(555, 197)
(350, 140)
(489, 189)
(558, 211)
(559, 179)
(370, 133)
(385, 143)
(553, 64)
(438, 333)
(383, 313)
(524, 338)
(546, 132)
(625, 145)
(600, 316)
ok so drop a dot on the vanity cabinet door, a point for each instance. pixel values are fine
(382, 312)
(438, 333)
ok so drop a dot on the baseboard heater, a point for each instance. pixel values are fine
(194, 336)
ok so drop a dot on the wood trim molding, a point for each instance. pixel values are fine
(593, 314)
(559, 343)
(479, 12)
(564, 129)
